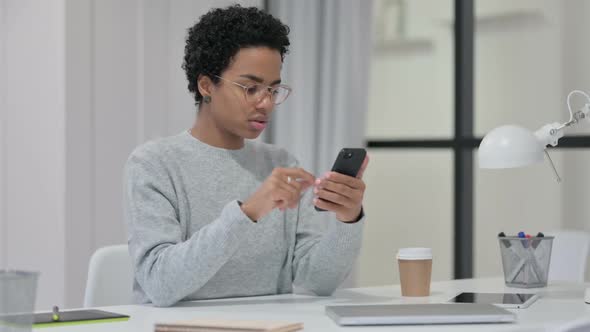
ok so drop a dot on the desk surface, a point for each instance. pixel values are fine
(560, 303)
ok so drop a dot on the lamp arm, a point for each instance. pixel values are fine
(549, 134)
(581, 114)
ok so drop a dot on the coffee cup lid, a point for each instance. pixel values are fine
(414, 253)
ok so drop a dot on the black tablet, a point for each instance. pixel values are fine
(505, 300)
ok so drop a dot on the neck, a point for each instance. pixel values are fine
(208, 131)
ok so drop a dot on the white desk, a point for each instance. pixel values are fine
(560, 303)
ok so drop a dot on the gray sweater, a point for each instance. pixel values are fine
(189, 239)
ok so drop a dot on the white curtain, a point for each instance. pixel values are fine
(327, 66)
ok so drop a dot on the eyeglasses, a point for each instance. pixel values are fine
(255, 93)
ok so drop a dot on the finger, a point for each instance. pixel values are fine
(294, 187)
(294, 183)
(280, 183)
(288, 205)
(345, 179)
(301, 176)
(363, 167)
(282, 191)
(334, 197)
(339, 188)
(328, 206)
(291, 193)
(294, 204)
(283, 175)
(281, 204)
(294, 195)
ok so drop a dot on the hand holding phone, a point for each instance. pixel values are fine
(342, 190)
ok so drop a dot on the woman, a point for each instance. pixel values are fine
(212, 215)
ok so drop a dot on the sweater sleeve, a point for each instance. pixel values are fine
(325, 248)
(167, 267)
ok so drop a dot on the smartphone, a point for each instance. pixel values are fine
(348, 162)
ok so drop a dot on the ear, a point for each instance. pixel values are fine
(205, 85)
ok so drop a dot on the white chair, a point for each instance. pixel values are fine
(110, 277)
(579, 325)
(569, 255)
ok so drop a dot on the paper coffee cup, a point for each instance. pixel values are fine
(415, 269)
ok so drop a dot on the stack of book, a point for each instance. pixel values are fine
(209, 325)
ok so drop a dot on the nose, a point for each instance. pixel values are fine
(266, 102)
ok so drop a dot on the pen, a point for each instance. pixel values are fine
(524, 242)
(55, 315)
(537, 242)
(505, 242)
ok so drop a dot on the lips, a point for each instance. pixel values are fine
(257, 124)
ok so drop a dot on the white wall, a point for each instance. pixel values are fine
(576, 65)
(83, 83)
(33, 136)
(3, 223)
(78, 144)
(576, 76)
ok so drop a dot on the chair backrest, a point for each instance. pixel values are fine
(579, 325)
(569, 255)
(110, 277)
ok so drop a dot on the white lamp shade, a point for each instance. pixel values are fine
(509, 147)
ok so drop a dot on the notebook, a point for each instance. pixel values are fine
(213, 325)
(77, 317)
(437, 313)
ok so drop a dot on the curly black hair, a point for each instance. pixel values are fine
(221, 33)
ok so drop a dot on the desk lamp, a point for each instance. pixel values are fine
(512, 146)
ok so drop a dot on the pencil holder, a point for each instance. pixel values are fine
(525, 261)
(17, 300)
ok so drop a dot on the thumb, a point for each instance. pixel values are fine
(363, 167)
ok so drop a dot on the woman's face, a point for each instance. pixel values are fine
(231, 111)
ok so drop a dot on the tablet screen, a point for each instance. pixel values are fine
(492, 298)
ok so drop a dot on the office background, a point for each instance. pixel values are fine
(82, 82)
